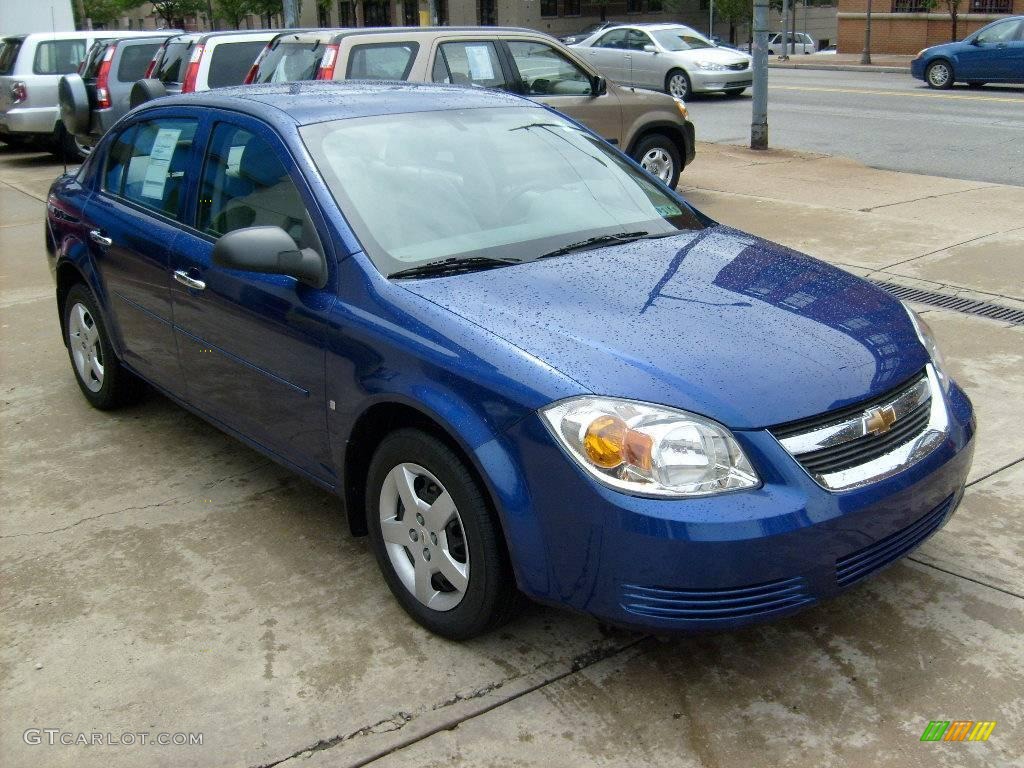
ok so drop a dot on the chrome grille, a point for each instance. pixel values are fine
(737, 67)
(871, 440)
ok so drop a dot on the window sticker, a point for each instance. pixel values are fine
(479, 57)
(235, 159)
(668, 210)
(155, 181)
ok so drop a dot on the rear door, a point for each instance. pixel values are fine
(472, 63)
(608, 54)
(251, 344)
(550, 77)
(133, 221)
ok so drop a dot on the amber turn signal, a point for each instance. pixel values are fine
(609, 443)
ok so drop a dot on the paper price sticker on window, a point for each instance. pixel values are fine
(479, 57)
(155, 180)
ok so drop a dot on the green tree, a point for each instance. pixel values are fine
(234, 11)
(953, 8)
(267, 9)
(173, 12)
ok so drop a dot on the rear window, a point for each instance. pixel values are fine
(134, 61)
(91, 66)
(291, 61)
(230, 62)
(9, 54)
(58, 57)
(381, 61)
(172, 65)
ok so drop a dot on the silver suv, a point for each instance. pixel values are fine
(31, 67)
(650, 127)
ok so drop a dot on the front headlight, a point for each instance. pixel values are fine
(927, 338)
(649, 449)
(711, 66)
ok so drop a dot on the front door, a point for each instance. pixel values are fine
(646, 71)
(251, 344)
(990, 55)
(552, 79)
(133, 223)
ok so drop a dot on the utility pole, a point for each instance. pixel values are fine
(432, 9)
(759, 120)
(785, 29)
(865, 57)
(291, 14)
(711, 19)
(792, 29)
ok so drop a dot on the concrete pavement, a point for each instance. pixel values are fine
(160, 577)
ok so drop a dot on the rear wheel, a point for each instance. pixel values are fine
(939, 74)
(658, 155)
(677, 83)
(105, 383)
(435, 538)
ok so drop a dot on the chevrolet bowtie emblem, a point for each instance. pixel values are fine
(878, 421)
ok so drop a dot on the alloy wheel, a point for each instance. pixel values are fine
(659, 163)
(86, 350)
(679, 86)
(424, 537)
(939, 74)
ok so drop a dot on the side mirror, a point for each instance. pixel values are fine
(599, 86)
(270, 250)
(976, 41)
(650, 48)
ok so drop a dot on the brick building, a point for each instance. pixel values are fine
(907, 26)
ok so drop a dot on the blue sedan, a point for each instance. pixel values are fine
(993, 54)
(523, 364)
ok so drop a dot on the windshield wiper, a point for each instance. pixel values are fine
(453, 266)
(597, 242)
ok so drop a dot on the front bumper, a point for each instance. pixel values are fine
(723, 561)
(917, 68)
(27, 121)
(703, 82)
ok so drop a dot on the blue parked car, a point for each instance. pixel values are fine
(524, 364)
(993, 54)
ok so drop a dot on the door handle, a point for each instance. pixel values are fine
(99, 238)
(190, 282)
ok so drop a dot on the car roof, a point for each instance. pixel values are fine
(204, 37)
(338, 34)
(316, 101)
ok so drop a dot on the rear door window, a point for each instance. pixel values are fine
(381, 61)
(172, 65)
(147, 164)
(58, 57)
(134, 61)
(469, 63)
(230, 62)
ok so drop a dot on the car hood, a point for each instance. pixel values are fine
(716, 322)
(716, 55)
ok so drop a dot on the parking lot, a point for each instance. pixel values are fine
(159, 577)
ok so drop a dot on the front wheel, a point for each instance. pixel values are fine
(677, 83)
(436, 540)
(105, 383)
(658, 155)
(939, 74)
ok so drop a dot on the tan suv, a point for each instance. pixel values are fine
(652, 128)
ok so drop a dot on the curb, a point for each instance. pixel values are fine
(842, 67)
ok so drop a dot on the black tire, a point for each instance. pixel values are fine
(490, 597)
(655, 143)
(145, 90)
(734, 92)
(119, 387)
(683, 86)
(939, 75)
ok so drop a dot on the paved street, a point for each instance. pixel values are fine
(158, 576)
(883, 120)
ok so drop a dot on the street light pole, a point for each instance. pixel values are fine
(785, 29)
(711, 19)
(865, 57)
(759, 119)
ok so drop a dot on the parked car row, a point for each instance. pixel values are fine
(653, 128)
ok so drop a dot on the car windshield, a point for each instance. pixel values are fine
(509, 183)
(681, 39)
(291, 61)
(9, 48)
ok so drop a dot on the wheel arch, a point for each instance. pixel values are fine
(665, 128)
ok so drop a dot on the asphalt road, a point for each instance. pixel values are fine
(888, 121)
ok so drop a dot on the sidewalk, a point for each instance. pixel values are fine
(848, 62)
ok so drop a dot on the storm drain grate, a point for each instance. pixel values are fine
(955, 303)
